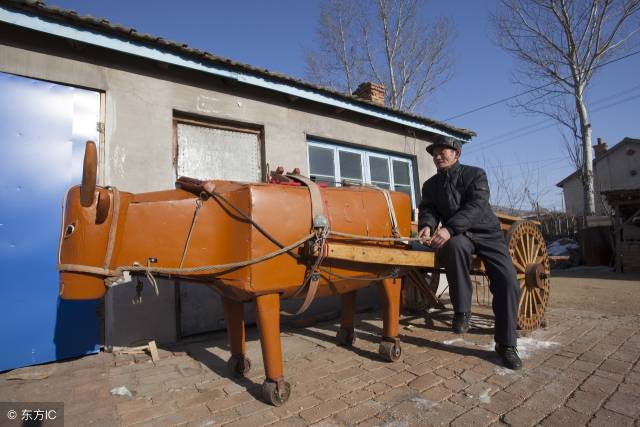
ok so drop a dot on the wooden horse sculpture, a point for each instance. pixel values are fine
(249, 242)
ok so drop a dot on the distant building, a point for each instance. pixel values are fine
(617, 168)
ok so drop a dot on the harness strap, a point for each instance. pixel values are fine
(317, 206)
(320, 223)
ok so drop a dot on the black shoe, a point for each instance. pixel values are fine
(510, 357)
(461, 322)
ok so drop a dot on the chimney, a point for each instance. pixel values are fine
(600, 148)
(369, 91)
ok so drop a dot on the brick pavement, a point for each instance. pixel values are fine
(590, 376)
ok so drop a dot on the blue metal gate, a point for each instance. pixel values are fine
(43, 127)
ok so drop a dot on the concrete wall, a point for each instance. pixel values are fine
(139, 140)
(612, 172)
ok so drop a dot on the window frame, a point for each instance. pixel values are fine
(365, 155)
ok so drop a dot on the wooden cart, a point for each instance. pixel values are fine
(528, 253)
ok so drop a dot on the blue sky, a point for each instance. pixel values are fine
(275, 34)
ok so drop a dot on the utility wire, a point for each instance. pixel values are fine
(500, 101)
(502, 140)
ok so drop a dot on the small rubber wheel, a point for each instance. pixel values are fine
(239, 366)
(346, 337)
(390, 351)
(276, 393)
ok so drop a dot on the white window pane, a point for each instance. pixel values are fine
(321, 161)
(401, 173)
(379, 169)
(209, 153)
(350, 165)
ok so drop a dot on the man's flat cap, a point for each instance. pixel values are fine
(447, 142)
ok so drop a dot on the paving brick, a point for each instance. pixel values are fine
(293, 421)
(455, 384)
(420, 369)
(473, 375)
(261, 419)
(584, 366)
(181, 416)
(146, 414)
(229, 402)
(357, 397)
(586, 402)
(378, 388)
(565, 417)
(624, 403)
(323, 410)
(396, 395)
(522, 416)
(437, 393)
(475, 417)
(599, 384)
(615, 366)
(359, 413)
(557, 361)
(425, 381)
(606, 418)
(444, 413)
(399, 379)
(502, 402)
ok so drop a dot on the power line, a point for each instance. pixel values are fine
(549, 122)
(501, 140)
(500, 101)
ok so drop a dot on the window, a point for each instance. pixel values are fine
(332, 163)
(206, 151)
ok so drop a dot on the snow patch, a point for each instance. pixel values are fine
(458, 340)
(121, 391)
(484, 396)
(424, 404)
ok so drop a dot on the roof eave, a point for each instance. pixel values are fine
(48, 25)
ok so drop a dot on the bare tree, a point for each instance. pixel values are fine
(513, 192)
(384, 41)
(337, 63)
(560, 45)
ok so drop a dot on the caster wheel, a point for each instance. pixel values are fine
(276, 393)
(390, 351)
(239, 366)
(346, 337)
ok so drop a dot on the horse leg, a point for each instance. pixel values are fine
(346, 334)
(238, 364)
(390, 345)
(275, 389)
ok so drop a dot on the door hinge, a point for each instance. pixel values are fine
(100, 127)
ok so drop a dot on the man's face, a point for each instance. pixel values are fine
(444, 157)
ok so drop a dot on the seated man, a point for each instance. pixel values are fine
(458, 198)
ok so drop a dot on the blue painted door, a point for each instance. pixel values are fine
(43, 127)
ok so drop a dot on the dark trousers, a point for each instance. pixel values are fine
(492, 250)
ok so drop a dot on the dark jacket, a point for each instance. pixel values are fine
(459, 199)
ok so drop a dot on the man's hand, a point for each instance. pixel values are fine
(439, 238)
(424, 235)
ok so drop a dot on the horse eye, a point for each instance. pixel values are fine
(70, 229)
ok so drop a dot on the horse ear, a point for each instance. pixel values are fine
(89, 171)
